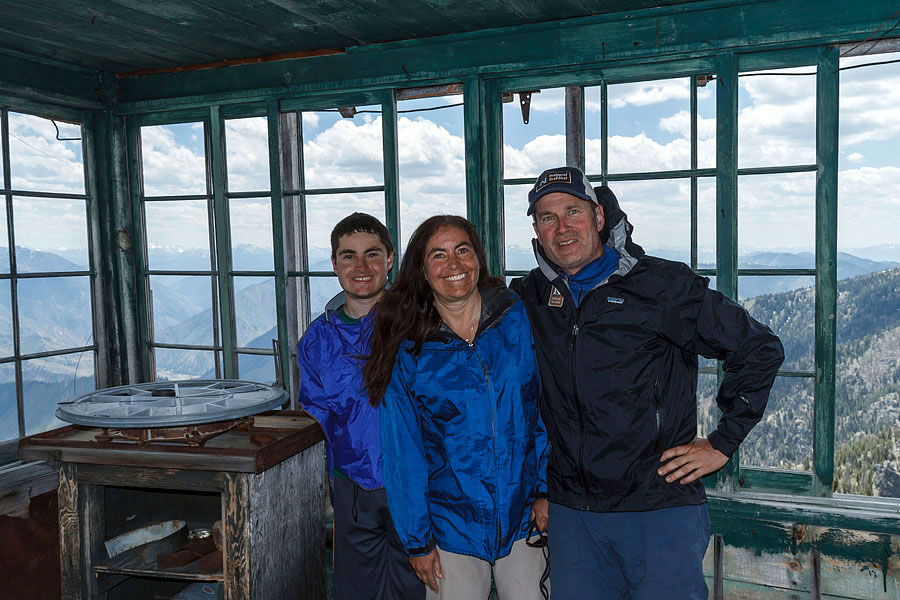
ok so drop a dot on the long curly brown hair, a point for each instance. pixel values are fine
(407, 311)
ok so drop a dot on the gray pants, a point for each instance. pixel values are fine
(517, 576)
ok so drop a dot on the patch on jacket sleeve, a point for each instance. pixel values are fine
(614, 300)
(556, 299)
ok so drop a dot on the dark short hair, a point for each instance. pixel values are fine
(360, 223)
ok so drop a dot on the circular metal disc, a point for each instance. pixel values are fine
(171, 403)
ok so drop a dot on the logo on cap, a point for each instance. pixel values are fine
(553, 177)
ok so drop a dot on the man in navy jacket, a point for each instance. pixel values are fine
(618, 334)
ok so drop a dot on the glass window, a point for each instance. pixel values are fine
(53, 314)
(531, 148)
(649, 126)
(784, 437)
(182, 310)
(257, 367)
(777, 220)
(518, 231)
(867, 405)
(177, 234)
(777, 117)
(660, 211)
(254, 311)
(787, 306)
(251, 234)
(174, 364)
(51, 234)
(432, 162)
(247, 152)
(341, 152)
(42, 160)
(173, 159)
(321, 290)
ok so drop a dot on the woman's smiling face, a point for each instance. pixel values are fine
(451, 267)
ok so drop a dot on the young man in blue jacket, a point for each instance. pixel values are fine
(369, 561)
(617, 335)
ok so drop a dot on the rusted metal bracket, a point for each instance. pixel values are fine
(348, 112)
(718, 568)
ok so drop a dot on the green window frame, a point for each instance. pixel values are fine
(98, 347)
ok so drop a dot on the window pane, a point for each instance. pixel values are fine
(323, 211)
(783, 439)
(254, 311)
(706, 125)
(40, 162)
(776, 219)
(787, 306)
(867, 405)
(54, 313)
(247, 146)
(4, 241)
(529, 149)
(51, 235)
(2, 136)
(649, 126)
(251, 234)
(517, 229)
(47, 381)
(177, 235)
(9, 423)
(173, 159)
(661, 214)
(6, 329)
(258, 368)
(777, 118)
(706, 223)
(707, 409)
(342, 152)
(182, 309)
(321, 290)
(172, 365)
(432, 162)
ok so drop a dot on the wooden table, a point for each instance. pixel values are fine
(269, 473)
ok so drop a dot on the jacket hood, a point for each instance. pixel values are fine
(619, 230)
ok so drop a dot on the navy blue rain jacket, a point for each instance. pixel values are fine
(465, 450)
(331, 391)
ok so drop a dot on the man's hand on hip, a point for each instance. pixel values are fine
(691, 461)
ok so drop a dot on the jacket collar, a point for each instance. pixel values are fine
(494, 303)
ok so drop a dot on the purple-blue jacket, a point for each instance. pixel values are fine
(331, 355)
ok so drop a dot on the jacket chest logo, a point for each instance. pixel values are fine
(614, 300)
(556, 299)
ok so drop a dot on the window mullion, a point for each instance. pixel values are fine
(827, 117)
(390, 154)
(726, 208)
(222, 242)
(275, 185)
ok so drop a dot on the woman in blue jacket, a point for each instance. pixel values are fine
(464, 448)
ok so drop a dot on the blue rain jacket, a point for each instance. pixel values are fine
(464, 446)
(331, 355)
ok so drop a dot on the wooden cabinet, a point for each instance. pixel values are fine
(269, 476)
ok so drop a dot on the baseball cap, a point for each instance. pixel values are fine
(569, 180)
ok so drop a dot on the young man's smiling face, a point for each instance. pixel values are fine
(568, 229)
(362, 263)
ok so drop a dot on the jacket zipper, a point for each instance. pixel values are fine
(587, 502)
(487, 379)
(659, 415)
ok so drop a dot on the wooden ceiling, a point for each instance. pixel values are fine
(125, 36)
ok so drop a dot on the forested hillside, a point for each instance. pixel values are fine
(867, 410)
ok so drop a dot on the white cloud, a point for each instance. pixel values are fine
(855, 157)
(644, 93)
(868, 206)
(247, 145)
(170, 167)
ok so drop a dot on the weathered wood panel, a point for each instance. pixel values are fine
(69, 533)
(236, 523)
(288, 507)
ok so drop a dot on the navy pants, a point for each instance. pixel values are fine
(369, 561)
(629, 555)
